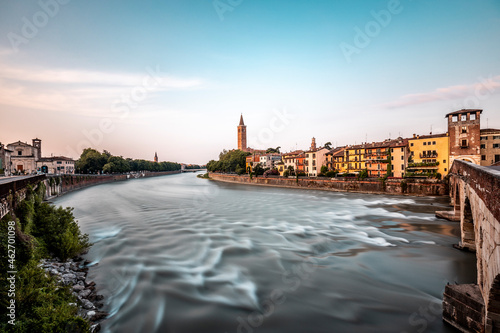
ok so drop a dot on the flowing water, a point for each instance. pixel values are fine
(182, 254)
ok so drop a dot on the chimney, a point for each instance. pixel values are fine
(414, 135)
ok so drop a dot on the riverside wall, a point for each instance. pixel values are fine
(419, 187)
(59, 184)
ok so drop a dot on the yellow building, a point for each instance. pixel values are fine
(399, 157)
(429, 154)
(355, 158)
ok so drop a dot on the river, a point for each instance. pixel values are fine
(182, 254)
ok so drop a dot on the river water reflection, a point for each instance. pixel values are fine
(182, 254)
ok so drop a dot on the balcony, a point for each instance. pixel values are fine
(428, 155)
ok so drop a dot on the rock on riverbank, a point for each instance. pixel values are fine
(73, 273)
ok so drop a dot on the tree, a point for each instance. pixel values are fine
(273, 150)
(324, 169)
(91, 161)
(228, 161)
(328, 145)
(258, 170)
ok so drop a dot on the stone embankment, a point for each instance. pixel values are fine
(59, 184)
(74, 274)
(419, 187)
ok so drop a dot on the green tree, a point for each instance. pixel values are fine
(91, 161)
(328, 145)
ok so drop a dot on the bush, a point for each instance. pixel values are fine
(57, 229)
(331, 173)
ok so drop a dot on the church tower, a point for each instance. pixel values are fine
(242, 135)
(156, 158)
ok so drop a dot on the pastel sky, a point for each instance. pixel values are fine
(135, 77)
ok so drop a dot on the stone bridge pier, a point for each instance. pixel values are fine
(475, 196)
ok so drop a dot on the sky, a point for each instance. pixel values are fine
(173, 77)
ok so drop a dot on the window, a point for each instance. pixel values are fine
(496, 145)
(429, 143)
(19, 152)
(425, 143)
(496, 137)
(484, 138)
(402, 166)
(472, 116)
(445, 169)
(433, 143)
(483, 157)
(402, 157)
(59, 162)
(464, 143)
(454, 118)
(444, 161)
(411, 145)
(464, 129)
(463, 117)
(483, 146)
(402, 150)
(392, 150)
(392, 158)
(497, 158)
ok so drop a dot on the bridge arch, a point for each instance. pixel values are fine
(475, 195)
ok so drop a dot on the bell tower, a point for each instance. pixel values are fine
(37, 145)
(242, 135)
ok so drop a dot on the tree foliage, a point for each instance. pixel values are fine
(229, 161)
(92, 161)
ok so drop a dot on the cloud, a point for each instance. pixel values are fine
(478, 90)
(83, 92)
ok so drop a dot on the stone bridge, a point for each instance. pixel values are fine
(475, 196)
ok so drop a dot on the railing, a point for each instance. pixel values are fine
(435, 155)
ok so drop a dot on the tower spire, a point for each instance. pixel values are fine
(242, 135)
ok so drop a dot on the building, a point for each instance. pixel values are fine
(156, 158)
(355, 158)
(315, 158)
(300, 164)
(490, 146)
(242, 135)
(24, 156)
(465, 135)
(378, 158)
(291, 159)
(335, 159)
(251, 162)
(56, 165)
(429, 155)
(399, 157)
(5, 160)
(280, 165)
(269, 160)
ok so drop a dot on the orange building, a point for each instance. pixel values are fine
(378, 159)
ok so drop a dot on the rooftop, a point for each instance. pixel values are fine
(464, 111)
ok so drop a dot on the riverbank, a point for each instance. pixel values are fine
(60, 184)
(414, 187)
